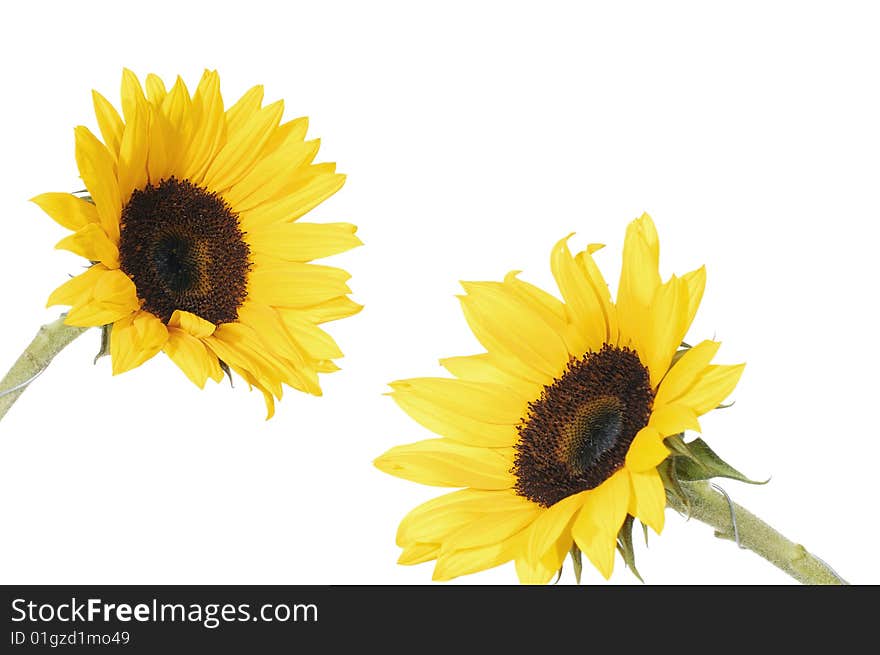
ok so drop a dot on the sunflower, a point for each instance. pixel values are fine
(190, 225)
(555, 432)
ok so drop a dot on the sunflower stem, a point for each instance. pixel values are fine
(715, 509)
(51, 339)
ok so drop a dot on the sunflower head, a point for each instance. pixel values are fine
(191, 225)
(555, 433)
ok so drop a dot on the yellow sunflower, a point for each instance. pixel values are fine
(191, 226)
(557, 430)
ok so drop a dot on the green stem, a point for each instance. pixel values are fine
(711, 507)
(50, 340)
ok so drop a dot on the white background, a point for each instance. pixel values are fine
(475, 135)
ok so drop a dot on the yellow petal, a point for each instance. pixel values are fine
(711, 388)
(133, 152)
(307, 174)
(486, 368)
(239, 351)
(303, 242)
(79, 289)
(483, 401)
(696, 283)
(665, 329)
(648, 500)
(554, 558)
(492, 528)
(289, 132)
(160, 135)
(549, 309)
(294, 205)
(109, 123)
(685, 372)
(275, 175)
(433, 521)
(538, 300)
(533, 573)
(209, 128)
(191, 356)
(596, 526)
(588, 265)
(330, 310)
(674, 419)
(194, 325)
(553, 524)
(252, 382)
(451, 424)
(647, 450)
(453, 514)
(135, 339)
(98, 297)
(325, 366)
(267, 366)
(471, 560)
(176, 122)
(639, 278)
(132, 95)
(475, 413)
(96, 167)
(506, 327)
(308, 336)
(243, 147)
(297, 285)
(244, 109)
(92, 243)
(268, 398)
(67, 210)
(241, 347)
(267, 323)
(418, 553)
(155, 89)
(445, 463)
(584, 307)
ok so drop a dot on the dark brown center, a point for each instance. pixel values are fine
(184, 249)
(577, 434)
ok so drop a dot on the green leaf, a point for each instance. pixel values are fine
(576, 562)
(704, 464)
(625, 546)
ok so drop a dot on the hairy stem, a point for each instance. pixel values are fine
(51, 339)
(711, 507)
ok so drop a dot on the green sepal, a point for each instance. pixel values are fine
(104, 349)
(645, 531)
(625, 546)
(576, 562)
(669, 477)
(225, 368)
(703, 463)
(678, 446)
